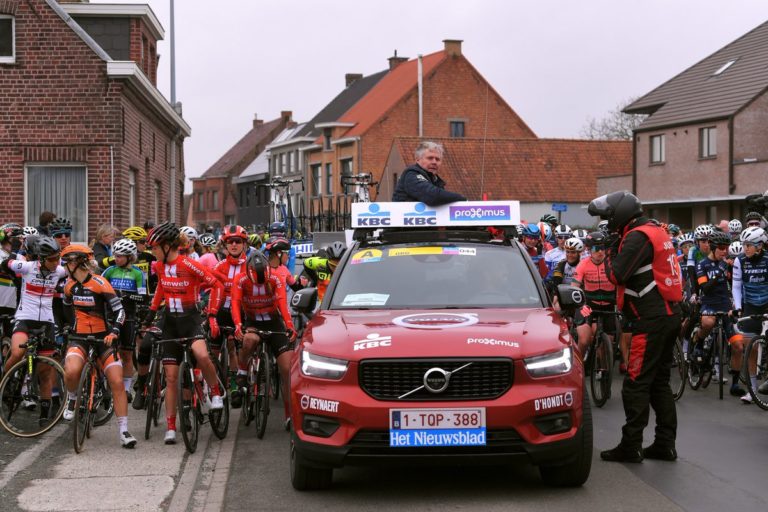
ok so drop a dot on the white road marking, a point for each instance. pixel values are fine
(28, 456)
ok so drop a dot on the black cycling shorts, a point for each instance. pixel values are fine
(179, 326)
(127, 339)
(48, 343)
(279, 343)
(752, 327)
(224, 319)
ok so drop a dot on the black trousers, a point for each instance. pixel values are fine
(647, 381)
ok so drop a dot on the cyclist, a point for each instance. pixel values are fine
(320, 269)
(179, 281)
(750, 293)
(533, 245)
(8, 286)
(144, 258)
(131, 286)
(565, 270)
(699, 252)
(61, 230)
(39, 278)
(259, 303)
(255, 241)
(210, 257)
(673, 230)
(277, 230)
(277, 255)
(599, 292)
(557, 254)
(91, 295)
(735, 228)
(712, 276)
(234, 239)
(190, 249)
(753, 219)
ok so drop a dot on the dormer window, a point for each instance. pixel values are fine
(725, 66)
(327, 139)
(7, 39)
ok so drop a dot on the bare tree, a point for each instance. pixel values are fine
(615, 125)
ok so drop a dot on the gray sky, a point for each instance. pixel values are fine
(556, 62)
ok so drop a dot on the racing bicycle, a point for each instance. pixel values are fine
(759, 347)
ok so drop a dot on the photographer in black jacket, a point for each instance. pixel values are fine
(641, 262)
(420, 181)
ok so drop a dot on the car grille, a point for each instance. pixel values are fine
(388, 379)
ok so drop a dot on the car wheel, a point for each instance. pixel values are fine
(575, 473)
(307, 478)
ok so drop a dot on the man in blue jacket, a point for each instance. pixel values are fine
(420, 182)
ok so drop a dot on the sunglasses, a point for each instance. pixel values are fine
(563, 237)
(596, 248)
(235, 241)
(60, 235)
(142, 241)
(53, 259)
(722, 247)
(754, 224)
(572, 252)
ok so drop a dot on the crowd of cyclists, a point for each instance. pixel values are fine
(109, 295)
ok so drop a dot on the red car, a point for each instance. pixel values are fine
(437, 345)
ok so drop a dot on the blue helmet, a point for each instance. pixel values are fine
(532, 230)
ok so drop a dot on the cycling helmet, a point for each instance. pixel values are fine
(563, 230)
(258, 267)
(719, 239)
(149, 225)
(233, 231)
(29, 230)
(618, 208)
(685, 239)
(532, 230)
(279, 244)
(44, 246)
(277, 227)
(124, 247)
(753, 216)
(549, 219)
(547, 229)
(673, 229)
(753, 235)
(603, 226)
(595, 238)
(190, 232)
(703, 232)
(735, 249)
(135, 233)
(335, 250)
(167, 232)
(574, 244)
(735, 226)
(12, 230)
(77, 252)
(254, 240)
(60, 225)
(581, 234)
(207, 240)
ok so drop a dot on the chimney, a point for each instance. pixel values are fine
(351, 78)
(256, 121)
(453, 47)
(287, 115)
(395, 61)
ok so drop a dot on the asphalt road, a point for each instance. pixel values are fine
(723, 450)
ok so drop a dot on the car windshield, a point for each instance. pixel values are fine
(436, 276)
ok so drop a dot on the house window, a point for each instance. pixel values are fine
(215, 200)
(657, 149)
(158, 189)
(7, 39)
(315, 169)
(200, 202)
(327, 139)
(281, 169)
(132, 197)
(682, 216)
(62, 189)
(346, 170)
(296, 159)
(708, 142)
(457, 128)
(328, 179)
(725, 66)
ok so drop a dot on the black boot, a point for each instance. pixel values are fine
(139, 401)
(622, 454)
(658, 452)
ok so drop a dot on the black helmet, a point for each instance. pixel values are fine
(336, 250)
(12, 230)
(149, 225)
(60, 225)
(720, 238)
(618, 208)
(278, 244)
(45, 247)
(258, 267)
(595, 238)
(277, 227)
(753, 216)
(167, 232)
(548, 218)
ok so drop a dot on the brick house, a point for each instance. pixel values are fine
(536, 172)
(84, 131)
(456, 102)
(214, 195)
(703, 147)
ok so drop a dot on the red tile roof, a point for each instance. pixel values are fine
(262, 133)
(528, 170)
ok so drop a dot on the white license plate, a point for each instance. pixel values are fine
(437, 427)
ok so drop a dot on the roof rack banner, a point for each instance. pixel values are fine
(463, 213)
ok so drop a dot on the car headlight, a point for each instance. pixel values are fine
(555, 363)
(322, 367)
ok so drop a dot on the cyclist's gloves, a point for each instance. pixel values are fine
(149, 318)
(213, 325)
(239, 332)
(109, 339)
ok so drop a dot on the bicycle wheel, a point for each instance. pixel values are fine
(759, 347)
(189, 404)
(600, 370)
(151, 393)
(83, 404)
(220, 418)
(25, 421)
(274, 373)
(678, 371)
(261, 402)
(720, 351)
(104, 405)
(250, 393)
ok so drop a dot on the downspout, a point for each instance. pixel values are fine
(634, 162)
(731, 178)
(172, 187)
(112, 187)
(421, 97)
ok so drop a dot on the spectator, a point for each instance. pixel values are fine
(102, 245)
(420, 181)
(45, 220)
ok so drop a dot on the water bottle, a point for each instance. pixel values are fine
(198, 375)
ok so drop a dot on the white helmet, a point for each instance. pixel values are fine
(753, 235)
(574, 244)
(581, 234)
(685, 239)
(190, 232)
(30, 230)
(124, 247)
(603, 226)
(703, 232)
(734, 226)
(547, 230)
(735, 249)
(563, 230)
(207, 240)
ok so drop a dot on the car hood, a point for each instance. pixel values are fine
(359, 334)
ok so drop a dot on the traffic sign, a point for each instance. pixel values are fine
(559, 207)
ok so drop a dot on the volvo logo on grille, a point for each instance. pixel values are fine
(436, 380)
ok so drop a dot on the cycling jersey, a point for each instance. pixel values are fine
(144, 262)
(285, 276)
(7, 286)
(209, 259)
(226, 270)
(90, 300)
(694, 257)
(37, 289)
(320, 268)
(259, 302)
(129, 283)
(553, 257)
(712, 278)
(564, 272)
(599, 291)
(750, 280)
(537, 256)
(179, 285)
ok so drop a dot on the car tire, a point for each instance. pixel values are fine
(308, 478)
(575, 473)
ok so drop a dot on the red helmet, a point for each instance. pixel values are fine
(234, 231)
(258, 267)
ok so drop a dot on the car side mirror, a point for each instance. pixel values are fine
(569, 297)
(304, 301)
